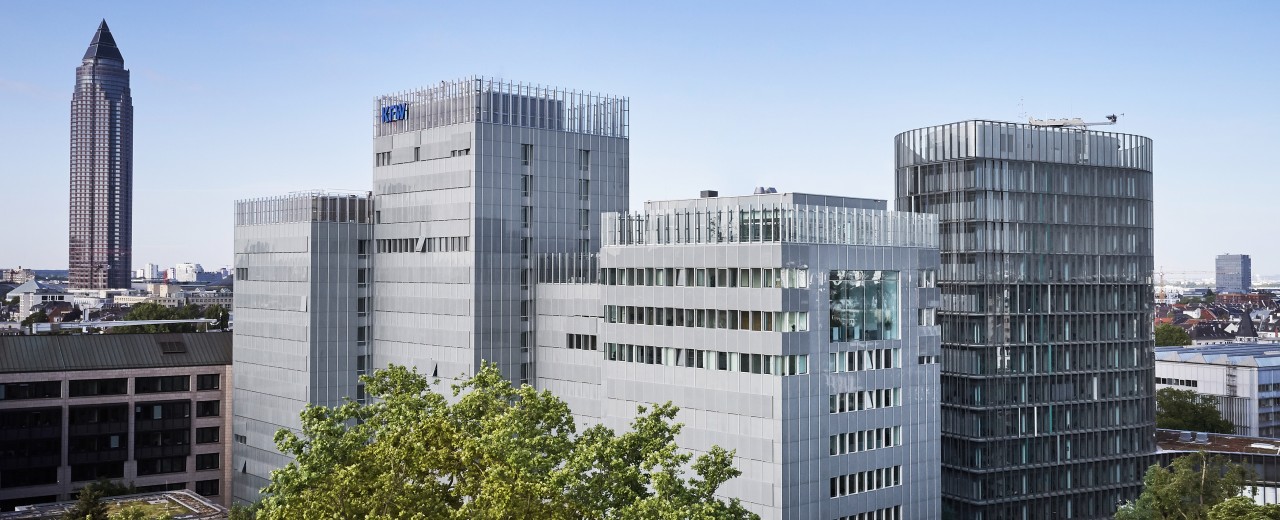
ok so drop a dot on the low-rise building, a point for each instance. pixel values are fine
(148, 409)
(33, 293)
(1243, 376)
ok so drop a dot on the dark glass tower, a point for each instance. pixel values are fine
(100, 243)
(1047, 371)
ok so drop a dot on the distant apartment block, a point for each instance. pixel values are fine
(148, 409)
(1234, 274)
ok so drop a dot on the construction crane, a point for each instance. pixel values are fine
(1074, 122)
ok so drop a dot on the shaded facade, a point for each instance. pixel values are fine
(302, 300)
(151, 410)
(1046, 259)
(100, 243)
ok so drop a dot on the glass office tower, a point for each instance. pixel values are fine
(1234, 274)
(1047, 373)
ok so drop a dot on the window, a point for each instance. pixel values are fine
(362, 364)
(162, 465)
(242, 273)
(928, 317)
(208, 409)
(864, 305)
(362, 247)
(32, 390)
(526, 185)
(360, 395)
(207, 461)
(526, 215)
(362, 276)
(207, 435)
(208, 488)
(526, 154)
(208, 381)
(584, 189)
(150, 385)
(928, 278)
(91, 387)
(362, 334)
(241, 439)
(158, 411)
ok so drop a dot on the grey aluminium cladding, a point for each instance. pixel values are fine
(1046, 245)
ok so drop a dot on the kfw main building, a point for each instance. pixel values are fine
(796, 329)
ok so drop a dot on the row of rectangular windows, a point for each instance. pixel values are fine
(866, 400)
(755, 277)
(767, 321)
(854, 442)
(580, 341)
(861, 360)
(1272, 387)
(1184, 382)
(888, 513)
(427, 245)
(113, 386)
(709, 359)
(864, 481)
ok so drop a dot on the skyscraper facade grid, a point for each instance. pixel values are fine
(100, 240)
(1046, 262)
(1234, 274)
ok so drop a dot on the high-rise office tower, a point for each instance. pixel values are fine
(1047, 372)
(1234, 274)
(302, 319)
(100, 243)
(471, 179)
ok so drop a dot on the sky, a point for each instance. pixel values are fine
(236, 100)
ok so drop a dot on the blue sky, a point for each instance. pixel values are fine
(243, 99)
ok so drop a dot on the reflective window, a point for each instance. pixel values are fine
(864, 305)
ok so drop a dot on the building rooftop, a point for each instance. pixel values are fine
(103, 45)
(1244, 354)
(179, 505)
(112, 351)
(1176, 440)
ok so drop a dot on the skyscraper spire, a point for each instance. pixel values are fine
(103, 45)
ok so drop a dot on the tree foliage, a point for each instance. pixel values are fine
(1244, 508)
(497, 451)
(217, 312)
(156, 311)
(1190, 411)
(1168, 335)
(1209, 297)
(88, 506)
(139, 512)
(1187, 490)
(35, 317)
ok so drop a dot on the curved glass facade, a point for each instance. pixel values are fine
(1047, 370)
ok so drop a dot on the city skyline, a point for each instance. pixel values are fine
(212, 85)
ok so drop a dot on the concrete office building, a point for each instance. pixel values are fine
(1242, 376)
(470, 179)
(302, 305)
(148, 409)
(1047, 397)
(100, 243)
(795, 329)
(1234, 274)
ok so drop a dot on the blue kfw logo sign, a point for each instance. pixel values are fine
(394, 112)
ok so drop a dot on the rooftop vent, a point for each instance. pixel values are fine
(761, 190)
(709, 194)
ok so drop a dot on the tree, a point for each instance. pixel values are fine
(1244, 508)
(1187, 410)
(1209, 297)
(1168, 335)
(73, 315)
(35, 317)
(496, 452)
(1186, 490)
(88, 505)
(217, 312)
(243, 512)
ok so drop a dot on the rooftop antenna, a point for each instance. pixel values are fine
(1022, 109)
(1074, 122)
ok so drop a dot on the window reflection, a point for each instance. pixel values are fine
(864, 305)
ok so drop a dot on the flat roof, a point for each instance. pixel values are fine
(1176, 440)
(1246, 354)
(179, 504)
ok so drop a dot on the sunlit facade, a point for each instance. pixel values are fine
(1047, 372)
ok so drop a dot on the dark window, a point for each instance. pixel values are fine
(242, 439)
(95, 414)
(209, 488)
(207, 461)
(83, 472)
(157, 411)
(171, 486)
(207, 435)
(89, 387)
(162, 438)
(32, 390)
(150, 385)
(162, 465)
(208, 409)
(173, 347)
(28, 477)
(208, 381)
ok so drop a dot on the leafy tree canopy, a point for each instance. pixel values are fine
(1171, 336)
(497, 452)
(35, 317)
(1244, 508)
(1187, 490)
(1188, 410)
(88, 506)
(156, 311)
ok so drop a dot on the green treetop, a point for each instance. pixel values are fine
(1188, 410)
